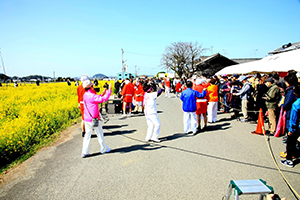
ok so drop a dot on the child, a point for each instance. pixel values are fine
(294, 130)
(151, 112)
(178, 89)
(188, 97)
(139, 95)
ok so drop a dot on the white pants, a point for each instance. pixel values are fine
(153, 127)
(212, 110)
(87, 137)
(177, 94)
(189, 122)
(138, 103)
(168, 91)
(245, 108)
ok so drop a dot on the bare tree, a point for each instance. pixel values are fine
(181, 57)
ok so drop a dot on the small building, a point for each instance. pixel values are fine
(169, 75)
(126, 75)
(208, 66)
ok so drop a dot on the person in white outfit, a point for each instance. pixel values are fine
(91, 111)
(151, 112)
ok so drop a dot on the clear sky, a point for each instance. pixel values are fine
(78, 37)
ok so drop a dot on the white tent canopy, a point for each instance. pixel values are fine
(281, 62)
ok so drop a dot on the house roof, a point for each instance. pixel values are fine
(286, 47)
(214, 63)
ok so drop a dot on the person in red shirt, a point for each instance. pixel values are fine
(80, 93)
(139, 95)
(201, 105)
(167, 87)
(127, 96)
(178, 89)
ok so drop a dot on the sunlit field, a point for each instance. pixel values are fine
(29, 114)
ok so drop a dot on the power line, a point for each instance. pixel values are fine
(147, 67)
(138, 54)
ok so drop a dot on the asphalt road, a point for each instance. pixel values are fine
(180, 167)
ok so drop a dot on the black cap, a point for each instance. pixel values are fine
(271, 80)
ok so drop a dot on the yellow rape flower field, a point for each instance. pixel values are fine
(30, 114)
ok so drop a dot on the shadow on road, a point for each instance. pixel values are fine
(207, 155)
(225, 119)
(114, 133)
(120, 132)
(215, 127)
(93, 154)
(142, 147)
(174, 136)
(113, 126)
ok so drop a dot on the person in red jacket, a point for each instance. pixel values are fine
(80, 93)
(201, 105)
(178, 89)
(127, 96)
(167, 87)
(139, 95)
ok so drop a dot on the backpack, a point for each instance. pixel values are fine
(250, 92)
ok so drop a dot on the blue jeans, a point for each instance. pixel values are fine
(225, 103)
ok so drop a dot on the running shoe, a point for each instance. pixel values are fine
(287, 163)
(85, 155)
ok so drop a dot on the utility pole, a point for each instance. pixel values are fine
(255, 52)
(122, 65)
(2, 62)
(135, 71)
(124, 68)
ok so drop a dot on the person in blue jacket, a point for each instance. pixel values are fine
(188, 98)
(289, 98)
(294, 130)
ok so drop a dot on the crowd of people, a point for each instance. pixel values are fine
(202, 98)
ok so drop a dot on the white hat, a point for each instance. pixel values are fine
(84, 78)
(87, 84)
(200, 81)
(242, 78)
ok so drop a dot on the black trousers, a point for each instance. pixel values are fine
(291, 149)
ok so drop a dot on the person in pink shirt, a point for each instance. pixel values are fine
(91, 110)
